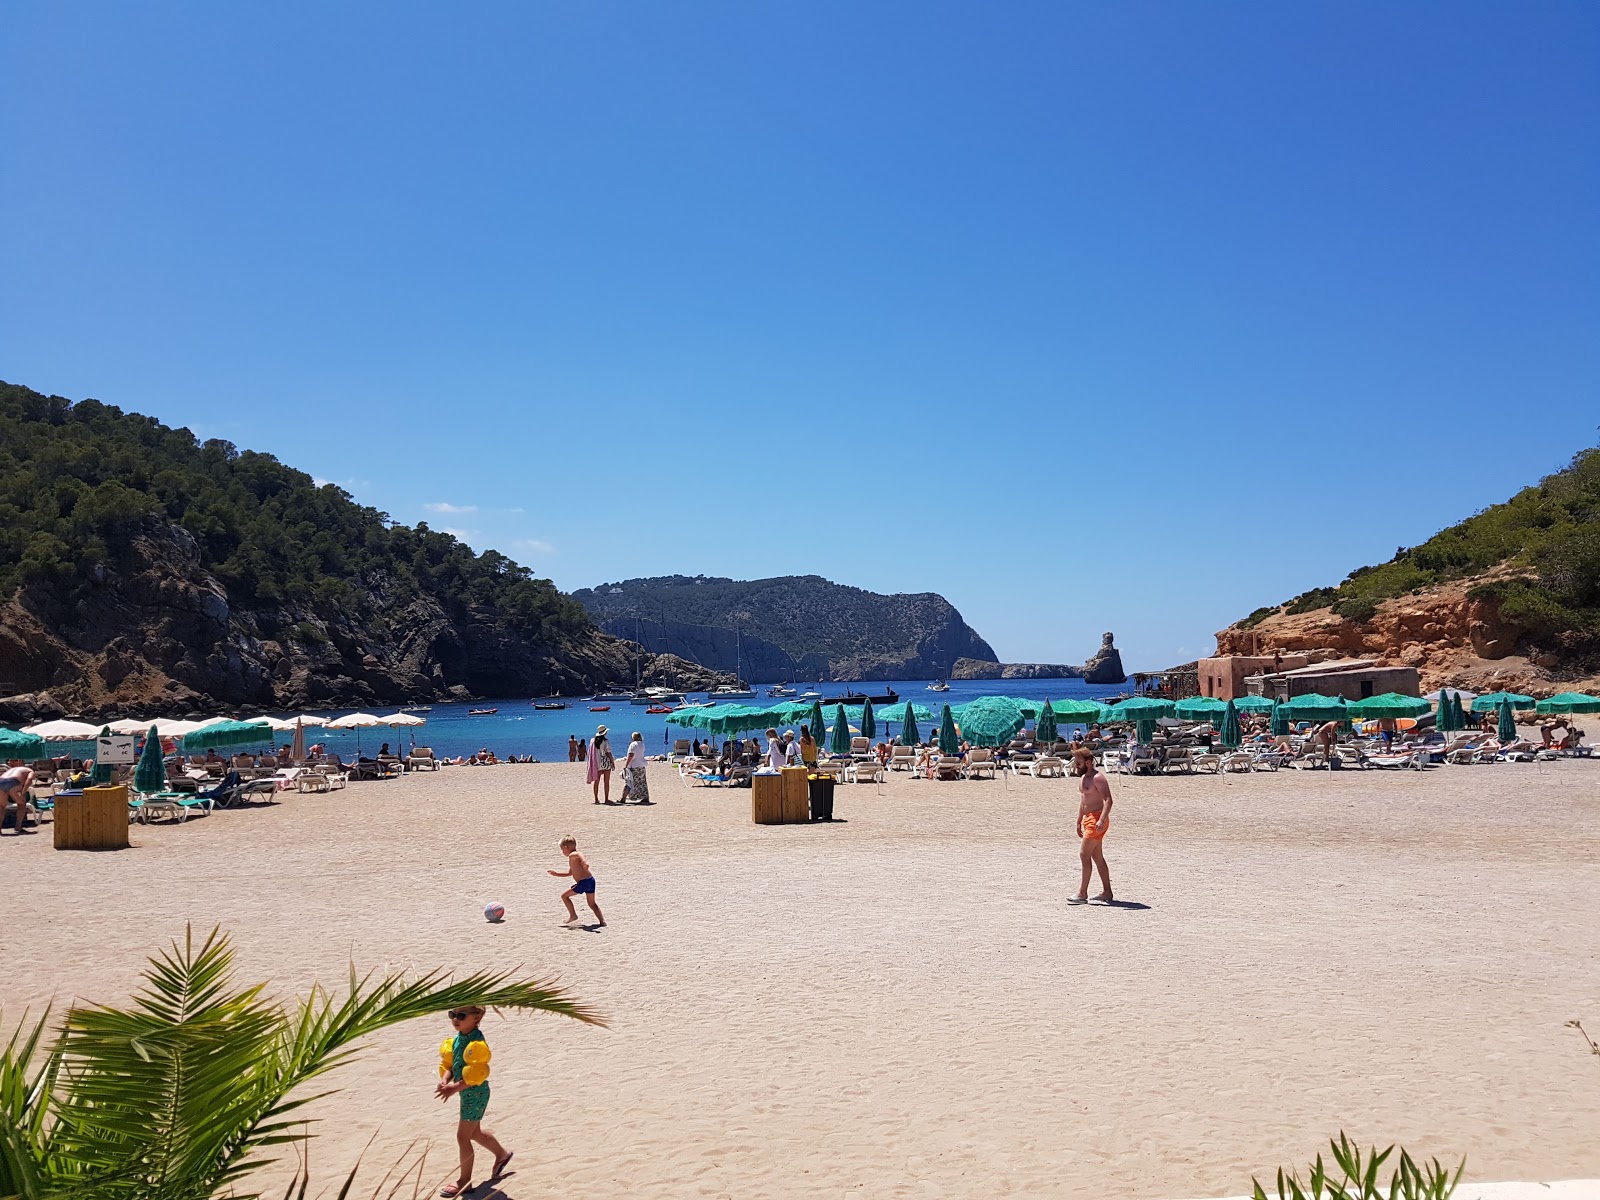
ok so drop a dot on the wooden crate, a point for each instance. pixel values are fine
(796, 797)
(96, 820)
(766, 799)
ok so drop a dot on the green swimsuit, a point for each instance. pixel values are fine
(474, 1100)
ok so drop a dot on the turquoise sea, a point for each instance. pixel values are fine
(518, 728)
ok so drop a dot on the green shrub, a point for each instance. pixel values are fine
(1260, 615)
(1311, 601)
(1356, 1178)
(1355, 608)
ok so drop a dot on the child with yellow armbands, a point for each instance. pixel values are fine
(464, 1071)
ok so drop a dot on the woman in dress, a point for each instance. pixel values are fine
(637, 786)
(601, 763)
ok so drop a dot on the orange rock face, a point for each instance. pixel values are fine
(1447, 637)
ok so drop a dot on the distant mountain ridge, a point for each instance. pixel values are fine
(790, 626)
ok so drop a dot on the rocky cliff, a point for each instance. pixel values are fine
(790, 627)
(144, 571)
(972, 668)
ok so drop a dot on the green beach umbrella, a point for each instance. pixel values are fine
(102, 771)
(949, 741)
(1315, 707)
(1280, 721)
(151, 773)
(1569, 702)
(869, 720)
(1080, 712)
(1144, 731)
(1388, 706)
(1228, 732)
(227, 733)
(1507, 732)
(990, 720)
(27, 746)
(1201, 708)
(1253, 704)
(1444, 717)
(1490, 701)
(839, 743)
(1045, 734)
(1140, 708)
(910, 735)
(1457, 713)
(906, 715)
(816, 722)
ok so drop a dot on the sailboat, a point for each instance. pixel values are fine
(728, 691)
(940, 686)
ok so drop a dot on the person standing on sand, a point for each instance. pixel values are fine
(474, 1097)
(14, 785)
(572, 747)
(601, 763)
(633, 766)
(1094, 817)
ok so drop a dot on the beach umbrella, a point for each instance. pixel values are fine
(1458, 714)
(102, 771)
(298, 750)
(1140, 708)
(1080, 712)
(1387, 706)
(132, 725)
(990, 720)
(220, 733)
(1280, 721)
(1491, 701)
(1458, 693)
(1045, 733)
(63, 731)
(15, 744)
(1144, 731)
(816, 722)
(839, 743)
(1314, 707)
(1569, 702)
(949, 740)
(869, 722)
(151, 773)
(1444, 719)
(910, 735)
(1228, 731)
(403, 718)
(309, 720)
(1201, 708)
(1507, 732)
(1253, 704)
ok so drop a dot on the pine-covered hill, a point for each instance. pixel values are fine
(141, 568)
(1512, 591)
(791, 626)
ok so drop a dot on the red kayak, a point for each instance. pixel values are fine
(658, 708)
(600, 708)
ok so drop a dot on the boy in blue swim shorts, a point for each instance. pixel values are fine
(582, 881)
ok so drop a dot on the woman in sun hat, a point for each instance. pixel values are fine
(601, 763)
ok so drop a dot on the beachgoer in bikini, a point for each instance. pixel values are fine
(1094, 818)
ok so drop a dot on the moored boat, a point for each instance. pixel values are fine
(600, 708)
(889, 696)
(482, 712)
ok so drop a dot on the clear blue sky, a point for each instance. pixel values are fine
(1131, 316)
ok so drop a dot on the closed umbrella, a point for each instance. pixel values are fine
(298, 749)
(27, 746)
(839, 743)
(1144, 731)
(151, 774)
(1507, 732)
(1460, 713)
(869, 722)
(102, 770)
(1569, 702)
(1444, 716)
(949, 741)
(910, 735)
(1045, 731)
(816, 722)
(1228, 733)
(1280, 721)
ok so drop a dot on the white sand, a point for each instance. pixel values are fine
(904, 1006)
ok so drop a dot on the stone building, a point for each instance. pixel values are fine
(1354, 679)
(1224, 676)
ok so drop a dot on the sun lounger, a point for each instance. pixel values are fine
(1177, 760)
(1239, 762)
(868, 770)
(1206, 762)
(421, 759)
(177, 804)
(860, 747)
(948, 767)
(1045, 767)
(903, 758)
(834, 768)
(979, 761)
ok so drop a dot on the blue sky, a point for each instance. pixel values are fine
(1125, 316)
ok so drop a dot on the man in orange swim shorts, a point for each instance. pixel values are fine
(1094, 818)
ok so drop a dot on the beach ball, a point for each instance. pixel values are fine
(494, 911)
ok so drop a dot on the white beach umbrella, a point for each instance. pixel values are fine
(278, 724)
(310, 720)
(64, 731)
(133, 725)
(356, 720)
(402, 718)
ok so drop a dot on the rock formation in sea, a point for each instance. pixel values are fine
(1106, 664)
(971, 668)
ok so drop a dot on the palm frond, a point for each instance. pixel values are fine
(26, 1088)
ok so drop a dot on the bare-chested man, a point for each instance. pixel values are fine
(14, 785)
(1094, 817)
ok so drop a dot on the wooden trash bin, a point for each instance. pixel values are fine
(96, 820)
(796, 796)
(766, 799)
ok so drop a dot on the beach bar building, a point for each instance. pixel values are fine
(1354, 679)
(1223, 677)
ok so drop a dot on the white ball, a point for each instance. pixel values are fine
(494, 911)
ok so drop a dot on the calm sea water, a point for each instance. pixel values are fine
(517, 728)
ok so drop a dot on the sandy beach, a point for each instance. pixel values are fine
(903, 1005)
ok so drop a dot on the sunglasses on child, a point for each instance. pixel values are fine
(459, 1014)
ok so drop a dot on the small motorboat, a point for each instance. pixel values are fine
(941, 686)
(482, 712)
(600, 708)
(659, 708)
(549, 705)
